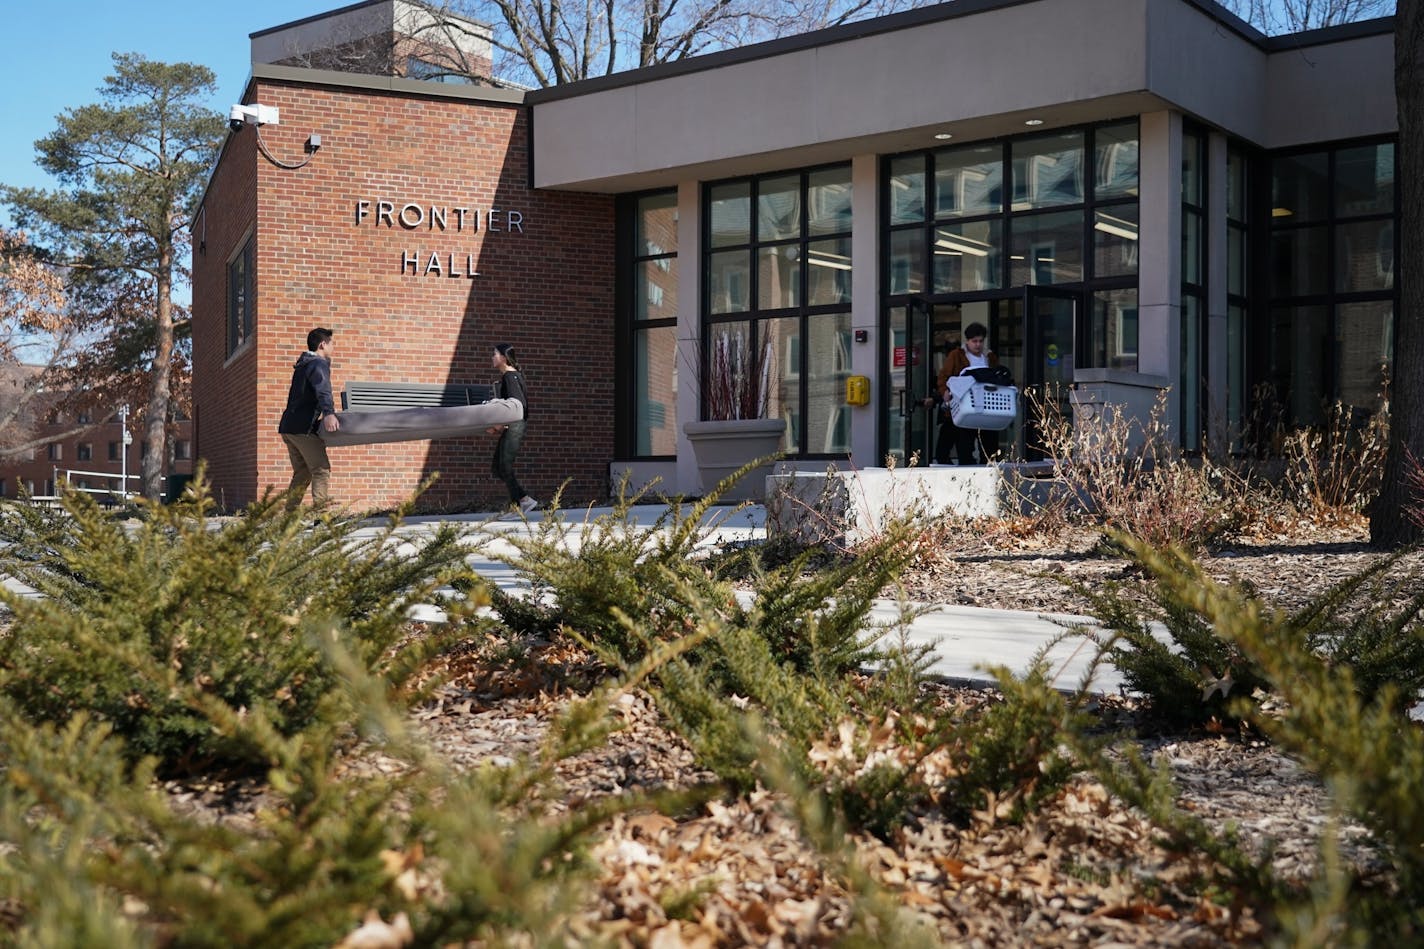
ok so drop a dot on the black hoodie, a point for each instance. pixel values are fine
(310, 396)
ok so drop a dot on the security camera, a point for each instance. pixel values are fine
(240, 115)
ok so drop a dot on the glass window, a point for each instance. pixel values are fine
(1048, 171)
(655, 390)
(969, 181)
(1236, 208)
(1192, 168)
(1364, 256)
(1115, 161)
(1236, 260)
(828, 201)
(779, 208)
(1193, 381)
(1300, 189)
(1115, 241)
(907, 190)
(907, 269)
(778, 276)
(828, 272)
(1191, 247)
(656, 224)
(113, 451)
(84, 451)
(1299, 346)
(729, 213)
(1300, 264)
(1112, 331)
(1047, 248)
(182, 450)
(1235, 371)
(827, 356)
(968, 256)
(655, 289)
(241, 296)
(1363, 345)
(1364, 180)
(729, 283)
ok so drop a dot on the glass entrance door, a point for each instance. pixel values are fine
(915, 372)
(1050, 332)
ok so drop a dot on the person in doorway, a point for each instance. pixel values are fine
(309, 410)
(973, 354)
(510, 386)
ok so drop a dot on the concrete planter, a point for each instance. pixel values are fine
(722, 447)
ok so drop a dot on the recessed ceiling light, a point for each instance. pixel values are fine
(944, 136)
(1034, 122)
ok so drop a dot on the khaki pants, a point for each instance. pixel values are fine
(310, 466)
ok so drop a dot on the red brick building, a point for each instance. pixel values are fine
(412, 231)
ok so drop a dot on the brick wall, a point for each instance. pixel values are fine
(392, 280)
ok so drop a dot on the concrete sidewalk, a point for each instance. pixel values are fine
(966, 641)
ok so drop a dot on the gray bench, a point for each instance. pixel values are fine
(385, 396)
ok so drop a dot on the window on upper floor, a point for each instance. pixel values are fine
(241, 295)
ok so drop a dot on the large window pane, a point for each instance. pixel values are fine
(828, 273)
(785, 337)
(907, 268)
(1300, 187)
(1364, 256)
(655, 289)
(969, 182)
(1236, 182)
(1300, 341)
(1115, 161)
(1236, 260)
(1364, 342)
(1191, 247)
(1193, 380)
(1048, 171)
(779, 208)
(1300, 264)
(1235, 372)
(655, 391)
(1364, 180)
(1112, 330)
(729, 213)
(729, 283)
(1192, 169)
(827, 366)
(828, 196)
(1115, 241)
(656, 224)
(778, 276)
(907, 190)
(968, 256)
(1047, 248)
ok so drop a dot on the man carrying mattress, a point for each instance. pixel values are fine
(310, 409)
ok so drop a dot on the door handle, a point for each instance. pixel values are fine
(903, 412)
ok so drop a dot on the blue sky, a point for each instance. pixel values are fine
(57, 59)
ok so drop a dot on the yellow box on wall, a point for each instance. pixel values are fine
(857, 390)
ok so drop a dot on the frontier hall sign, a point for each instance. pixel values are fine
(413, 216)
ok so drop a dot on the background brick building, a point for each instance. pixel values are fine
(414, 234)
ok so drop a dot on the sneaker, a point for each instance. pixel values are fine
(527, 505)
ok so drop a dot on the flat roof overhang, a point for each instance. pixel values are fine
(976, 70)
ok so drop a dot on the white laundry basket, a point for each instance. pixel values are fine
(982, 405)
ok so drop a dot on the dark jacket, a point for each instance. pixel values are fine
(310, 395)
(511, 386)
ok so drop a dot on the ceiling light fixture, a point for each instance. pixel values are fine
(943, 136)
(1033, 122)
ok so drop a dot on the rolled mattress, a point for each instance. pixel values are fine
(408, 425)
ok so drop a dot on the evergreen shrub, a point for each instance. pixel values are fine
(139, 625)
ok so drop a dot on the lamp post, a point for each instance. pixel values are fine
(124, 439)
